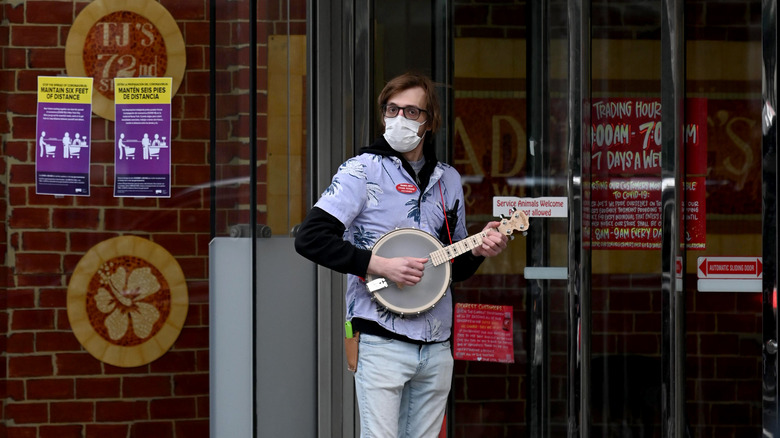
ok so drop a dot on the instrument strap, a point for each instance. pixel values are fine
(444, 210)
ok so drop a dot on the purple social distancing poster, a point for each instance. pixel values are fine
(62, 139)
(142, 137)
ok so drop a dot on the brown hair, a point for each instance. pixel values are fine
(412, 80)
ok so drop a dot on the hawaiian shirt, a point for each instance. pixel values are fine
(372, 195)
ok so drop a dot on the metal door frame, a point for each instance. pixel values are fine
(769, 199)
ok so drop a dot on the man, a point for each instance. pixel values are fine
(42, 143)
(404, 367)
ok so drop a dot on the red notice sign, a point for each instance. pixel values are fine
(729, 267)
(483, 332)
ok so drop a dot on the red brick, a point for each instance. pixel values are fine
(47, 58)
(30, 366)
(47, 200)
(172, 408)
(738, 367)
(72, 412)
(20, 126)
(191, 175)
(198, 84)
(44, 241)
(177, 244)
(157, 429)
(22, 217)
(19, 298)
(76, 218)
(193, 428)
(193, 267)
(81, 242)
(191, 384)
(14, 389)
(185, 10)
(17, 195)
(203, 406)
(24, 103)
(193, 337)
(99, 387)
(30, 280)
(21, 343)
(75, 364)
(204, 241)
(196, 129)
(113, 411)
(3, 316)
(13, 14)
(53, 297)
(114, 370)
(196, 60)
(141, 220)
(198, 291)
(56, 341)
(146, 386)
(719, 344)
(49, 12)
(61, 431)
(32, 319)
(70, 261)
(21, 432)
(731, 413)
(50, 389)
(26, 413)
(34, 36)
(193, 317)
(38, 263)
(146, 203)
(107, 430)
(195, 221)
(174, 362)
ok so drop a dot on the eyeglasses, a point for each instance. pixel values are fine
(410, 112)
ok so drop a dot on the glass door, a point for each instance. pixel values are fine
(632, 308)
(723, 221)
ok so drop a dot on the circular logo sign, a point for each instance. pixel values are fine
(127, 301)
(123, 39)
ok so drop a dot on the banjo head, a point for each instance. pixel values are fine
(412, 300)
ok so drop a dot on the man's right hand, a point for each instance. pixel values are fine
(404, 271)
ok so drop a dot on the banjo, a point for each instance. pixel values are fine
(413, 300)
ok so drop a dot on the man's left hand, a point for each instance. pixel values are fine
(493, 243)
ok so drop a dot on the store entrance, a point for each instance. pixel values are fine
(641, 302)
(637, 304)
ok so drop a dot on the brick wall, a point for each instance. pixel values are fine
(52, 387)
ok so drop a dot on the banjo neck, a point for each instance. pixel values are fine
(517, 221)
(450, 252)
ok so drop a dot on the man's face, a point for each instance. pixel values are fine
(411, 97)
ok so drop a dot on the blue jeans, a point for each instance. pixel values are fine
(402, 387)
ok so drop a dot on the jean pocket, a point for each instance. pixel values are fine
(374, 339)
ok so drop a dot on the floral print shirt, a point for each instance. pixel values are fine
(372, 195)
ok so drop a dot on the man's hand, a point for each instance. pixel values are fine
(493, 243)
(404, 271)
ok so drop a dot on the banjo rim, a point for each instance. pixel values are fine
(430, 304)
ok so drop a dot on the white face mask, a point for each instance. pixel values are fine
(401, 133)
